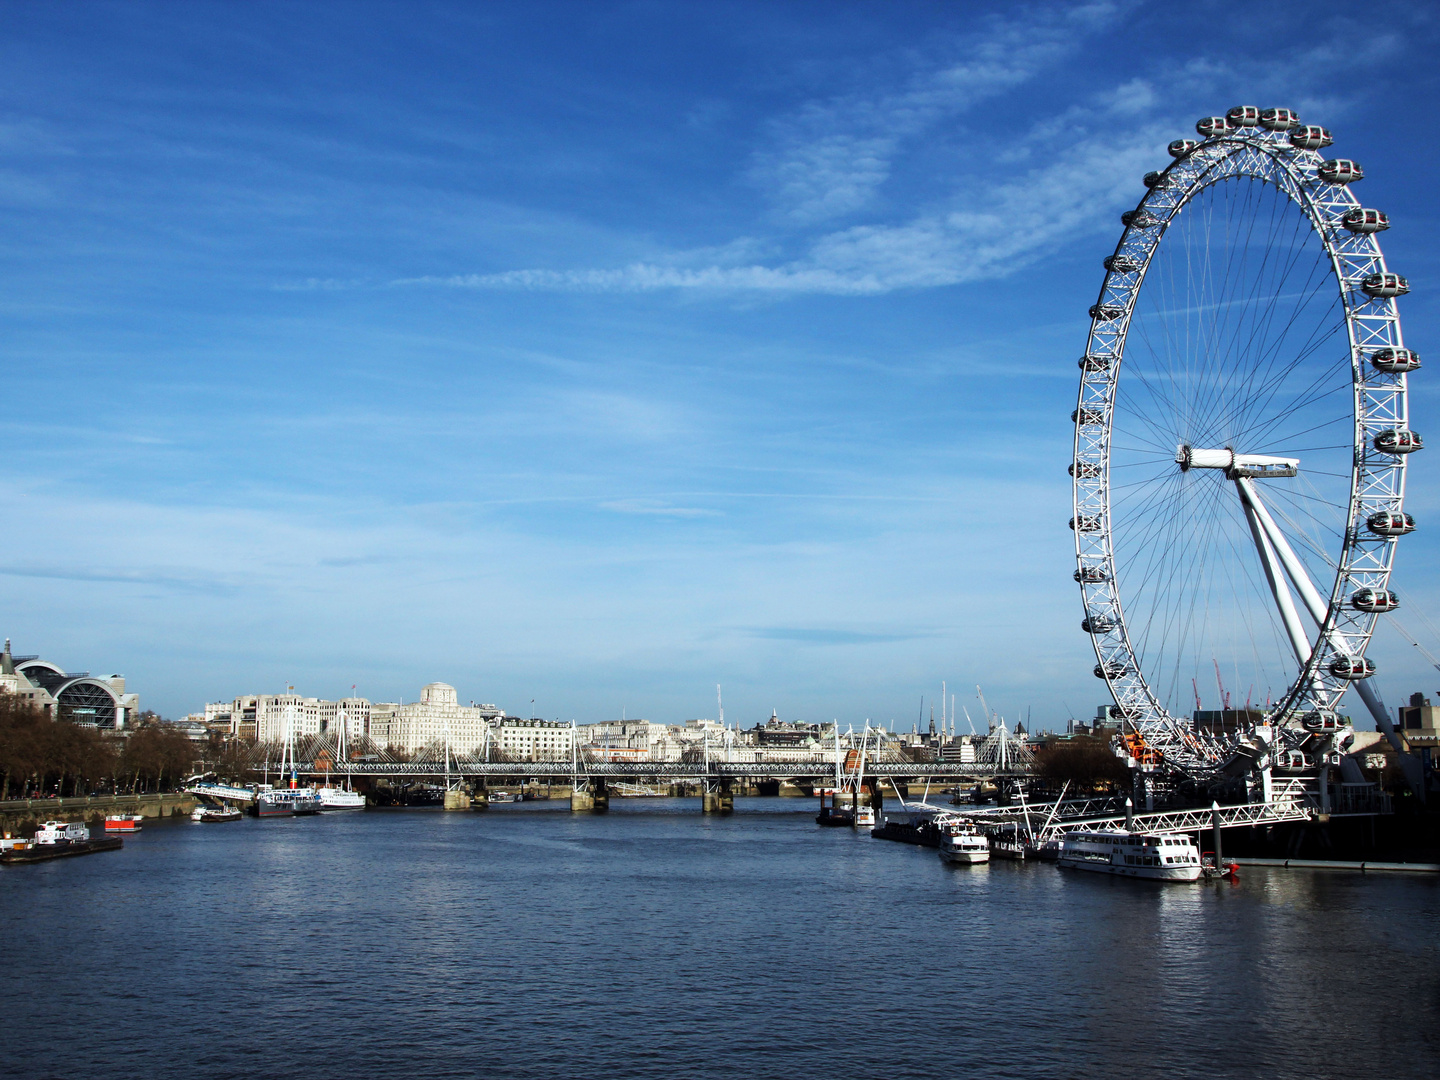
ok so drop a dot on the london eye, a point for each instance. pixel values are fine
(1241, 436)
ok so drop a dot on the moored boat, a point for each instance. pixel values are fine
(1153, 856)
(963, 844)
(123, 823)
(1008, 842)
(56, 840)
(334, 798)
(914, 826)
(212, 812)
(286, 802)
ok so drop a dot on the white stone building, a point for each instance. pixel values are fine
(264, 716)
(436, 716)
(534, 740)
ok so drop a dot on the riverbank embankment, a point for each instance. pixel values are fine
(23, 816)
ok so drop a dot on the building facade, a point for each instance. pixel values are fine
(77, 696)
(435, 718)
(534, 740)
(264, 716)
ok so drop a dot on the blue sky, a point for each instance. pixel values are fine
(598, 353)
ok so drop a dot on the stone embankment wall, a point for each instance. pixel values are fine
(20, 817)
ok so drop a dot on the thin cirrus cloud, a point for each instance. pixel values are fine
(829, 158)
(655, 509)
(820, 636)
(982, 233)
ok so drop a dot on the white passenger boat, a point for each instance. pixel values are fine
(963, 844)
(865, 817)
(212, 812)
(335, 798)
(1156, 856)
(62, 832)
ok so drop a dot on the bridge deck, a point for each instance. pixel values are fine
(662, 770)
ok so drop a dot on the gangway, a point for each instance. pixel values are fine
(1193, 820)
(209, 789)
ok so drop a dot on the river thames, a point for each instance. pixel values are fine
(525, 941)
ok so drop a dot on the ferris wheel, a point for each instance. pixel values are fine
(1241, 437)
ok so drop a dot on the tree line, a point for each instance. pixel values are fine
(42, 756)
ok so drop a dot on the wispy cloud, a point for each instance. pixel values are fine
(984, 231)
(640, 506)
(178, 581)
(829, 158)
(814, 636)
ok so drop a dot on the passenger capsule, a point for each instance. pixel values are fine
(1340, 171)
(1243, 116)
(1180, 147)
(1091, 575)
(1395, 361)
(1106, 312)
(1311, 137)
(1115, 669)
(1361, 220)
(1290, 760)
(1353, 668)
(1087, 416)
(1321, 721)
(1139, 219)
(1211, 126)
(1279, 119)
(1085, 524)
(1390, 523)
(1399, 441)
(1094, 362)
(1384, 286)
(1122, 264)
(1375, 601)
(1154, 179)
(1097, 624)
(1084, 470)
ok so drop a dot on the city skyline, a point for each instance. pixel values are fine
(598, 360)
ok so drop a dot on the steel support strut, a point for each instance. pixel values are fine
(1255, 509)
(1273, 574)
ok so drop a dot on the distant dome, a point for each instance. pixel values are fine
(438, 693)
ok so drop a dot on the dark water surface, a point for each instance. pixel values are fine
(653, 942)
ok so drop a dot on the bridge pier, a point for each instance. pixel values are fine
(590, 796)
(456, 799)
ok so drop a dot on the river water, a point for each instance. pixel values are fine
(526, 941)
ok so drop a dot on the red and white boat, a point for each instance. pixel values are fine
(123, 823)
